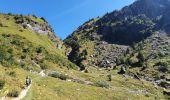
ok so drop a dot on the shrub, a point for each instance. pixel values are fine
(163, 69)
(109, 77)
(58, 75)
(10, 50)
(40, 49)
(43, 19)
(26, 50)
(21, 30)
(2, 84)
(43, 66)
(13, 74)
(24, 26)
(163, 66)
(13, 93)
(102, 84)
(10, 14)
(141, 59)
(1, 25)
(23, 56)
(5, 35)
(16, 42)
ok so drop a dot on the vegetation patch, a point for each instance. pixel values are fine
(102, 84)
(2, 84)
(13, 93)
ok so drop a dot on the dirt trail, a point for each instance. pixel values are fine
(21, 95)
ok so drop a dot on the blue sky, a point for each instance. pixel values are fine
(63, 15)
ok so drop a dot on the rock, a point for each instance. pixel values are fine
(164, 84)
(69, 80)
(86, 70)
(107, 61)
(162, 77)
(122, 70)
(168, 79)
(109, 77)
(59, 46)
(136, 76)
(88, 83)
(166, 93)
(42, 74)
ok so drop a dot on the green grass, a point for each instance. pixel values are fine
(120, 88)
(50, 88)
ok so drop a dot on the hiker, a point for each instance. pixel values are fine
(28, 81)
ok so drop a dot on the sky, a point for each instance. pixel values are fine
(64, 16)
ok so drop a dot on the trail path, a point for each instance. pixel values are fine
(21, 95)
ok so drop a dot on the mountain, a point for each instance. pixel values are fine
(28, 41)
(134, 40)
(122, 55)
(29, 48)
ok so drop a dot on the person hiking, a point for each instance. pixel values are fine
(28, 81)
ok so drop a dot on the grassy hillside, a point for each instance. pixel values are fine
(24, 52)
(28, 49)
(123, 55)
(49, 88)
(132, 41)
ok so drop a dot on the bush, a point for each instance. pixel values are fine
(40, 49)
(16, 42)
(109, 77)
(10, 14)
(102, 84)
(2, 84)
(141, 59)
(13, 74)
(1, 25)
(13, 93)
(163, 66)
(58, 75)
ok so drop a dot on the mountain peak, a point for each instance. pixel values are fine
(151, 8)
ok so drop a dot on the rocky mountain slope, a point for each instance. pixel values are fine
(122, 55)
(133, 41)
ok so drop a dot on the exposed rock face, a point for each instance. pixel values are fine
(108, 54)
(38, 25)
(39, 28)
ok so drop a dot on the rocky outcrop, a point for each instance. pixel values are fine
(38, 25)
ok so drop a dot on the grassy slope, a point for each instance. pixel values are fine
(37, 40)
(50, 88)
(13, 28)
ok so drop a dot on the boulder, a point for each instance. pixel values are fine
(164, 84)
(166, 93)
(168, 79)
(122, 70)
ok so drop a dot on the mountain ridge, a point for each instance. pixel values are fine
(133, 41)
